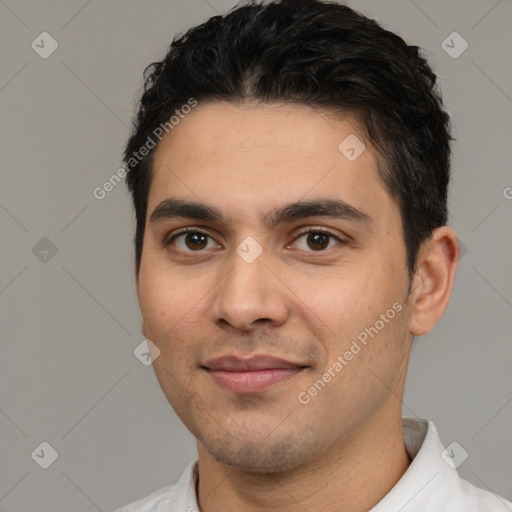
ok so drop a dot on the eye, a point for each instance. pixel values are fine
(316, 241)
(191, 241)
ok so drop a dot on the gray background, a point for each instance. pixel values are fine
(70, 321)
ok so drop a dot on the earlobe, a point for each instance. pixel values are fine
(433, 281)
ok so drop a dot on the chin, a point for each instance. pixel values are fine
(265, 456)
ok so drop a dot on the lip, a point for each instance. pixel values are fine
(249, 364)
(251, 375)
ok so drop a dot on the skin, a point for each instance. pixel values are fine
(344, 449)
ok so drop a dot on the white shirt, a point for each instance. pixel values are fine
(430, 484)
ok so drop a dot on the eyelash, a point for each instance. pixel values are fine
(187, 231)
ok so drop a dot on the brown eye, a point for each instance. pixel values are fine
(316, 241)
(196, 241)
(191, 241)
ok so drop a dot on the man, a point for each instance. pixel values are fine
(289, 169)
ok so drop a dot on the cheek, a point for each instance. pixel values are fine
(347, 297)
(345, 304)
(165, 303)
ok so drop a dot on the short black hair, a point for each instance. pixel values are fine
(318, 53)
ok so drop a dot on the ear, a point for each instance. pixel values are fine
(137, 286)
(432, 285)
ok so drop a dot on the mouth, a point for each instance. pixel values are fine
(251, 375)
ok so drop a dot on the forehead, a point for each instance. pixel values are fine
(252, 158)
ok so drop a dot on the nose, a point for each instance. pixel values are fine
(250, 295)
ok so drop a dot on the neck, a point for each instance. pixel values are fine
(352, 476)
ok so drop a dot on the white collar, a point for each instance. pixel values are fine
(430, 484)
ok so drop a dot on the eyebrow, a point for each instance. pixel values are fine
(174, 208)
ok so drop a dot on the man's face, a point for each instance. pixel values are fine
(306, 298)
